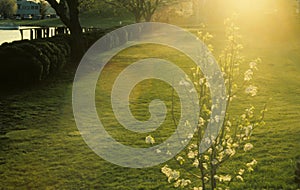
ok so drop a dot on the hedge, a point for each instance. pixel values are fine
(30, 61)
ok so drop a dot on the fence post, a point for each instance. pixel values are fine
(31, 34)
(22, 36)
(38, 32)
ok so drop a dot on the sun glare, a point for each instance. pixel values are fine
(249, 5)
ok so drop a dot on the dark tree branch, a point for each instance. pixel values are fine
(139, 8)
(68, 11)
(61, 10)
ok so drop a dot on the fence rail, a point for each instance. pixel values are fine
(46, 32)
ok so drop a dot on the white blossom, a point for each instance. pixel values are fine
(253, 65)
(228, 123)
(251, 164)
(201, 81)
(252, 90)
(223, 178)
(149, 140)
(191, 154)
(217, 118)
(192, 90)
(214, 162)
(187, 123)
(230, 151)
(206, 157)
(197, 188)
(158, 151)
(238, 177)
(185, 183)
(190, 136)
(177, 183)
(209, 150)
(248, 75)
(184, 83)
(248, 130)
(201, 121)
(206, 179)
(171, 174)
(192, 146)
(241, 172)
(248, 147)
(166, 170)
(196, 163)
(180, 159)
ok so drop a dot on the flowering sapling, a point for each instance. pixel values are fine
(201, 170)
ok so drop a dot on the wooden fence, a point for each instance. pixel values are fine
(46, 32)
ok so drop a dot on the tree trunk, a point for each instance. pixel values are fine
(69, 15)
(148, 18)
(138, 19)
(77, 43)
(149, 9)
(136, 7)
(137, 14)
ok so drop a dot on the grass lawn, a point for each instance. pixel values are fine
(87, 20)
(41, 147)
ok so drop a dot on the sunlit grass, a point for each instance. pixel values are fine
(42, 148)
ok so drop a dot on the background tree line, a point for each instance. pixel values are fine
(68, 11)
(8, 8)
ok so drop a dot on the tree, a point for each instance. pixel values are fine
(8, 8)
(139, 8)
(44, 8)
(150, 8)
(133, 6)
(68, 11)
(199, 169)
(86, 5)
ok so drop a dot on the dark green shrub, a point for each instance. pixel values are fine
(36, 52)
(54, 54)
(18, 66)
(63, 43)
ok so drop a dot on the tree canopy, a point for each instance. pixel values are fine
(139, 8)
(8, 8)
